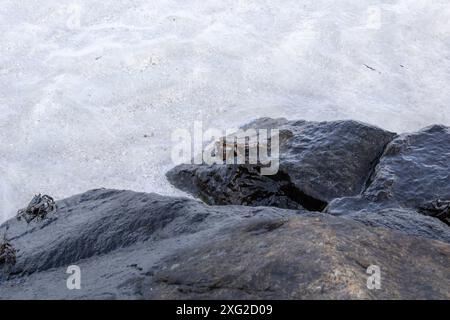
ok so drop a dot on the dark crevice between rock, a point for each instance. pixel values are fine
(296, 195)
(290, 190)
(307, 202)
(282, 187)
(437, 209)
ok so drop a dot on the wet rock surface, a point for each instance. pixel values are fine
(327, 258)
(412, 174)
(397, 182)
(403, 220)
(100, 221)
(414, 170)
(110, 234)
(384, 202)
(132, 245)
(319, 161)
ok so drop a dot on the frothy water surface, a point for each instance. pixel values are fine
(90, 91)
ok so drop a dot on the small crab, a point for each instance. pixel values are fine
(39, 207)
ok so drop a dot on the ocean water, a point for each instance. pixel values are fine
(90, 91)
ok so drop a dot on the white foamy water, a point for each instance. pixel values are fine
(90, 91)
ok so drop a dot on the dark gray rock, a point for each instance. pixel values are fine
(132, 245)
(100, 221)
(319, 161)
(413, 175)
(239, 185)
(404, 220)
(109, 234)
(308, 257)
(414, 170)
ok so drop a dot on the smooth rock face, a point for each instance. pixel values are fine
(389, 215)
(132, 245)
(413, 173)
(317, 257)
(403, 220)
(100, 221)
(414, 170)
(112, 235)
(319, 161)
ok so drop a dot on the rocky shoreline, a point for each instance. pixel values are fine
(347, 196)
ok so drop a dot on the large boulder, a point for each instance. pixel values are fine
(100, 221)
(112, 235)
(132, 245)
(403, 220)
(414, 170)
(308, 257)
(413, 173)
(319, 161)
